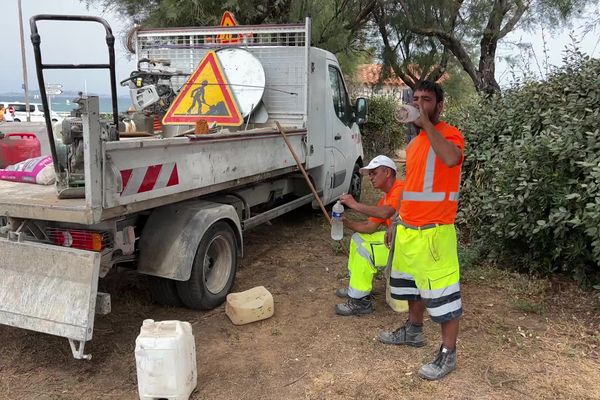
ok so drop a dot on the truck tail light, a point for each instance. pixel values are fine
(79, 239)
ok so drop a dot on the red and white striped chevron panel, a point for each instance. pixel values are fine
(145, 179)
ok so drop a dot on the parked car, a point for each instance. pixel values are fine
(36, 112)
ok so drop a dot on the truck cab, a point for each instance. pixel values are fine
(343, 145)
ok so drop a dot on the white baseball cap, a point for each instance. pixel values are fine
(379, 161)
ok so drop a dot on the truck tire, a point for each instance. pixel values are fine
(213, 270)
(355, 183)
(163, 291)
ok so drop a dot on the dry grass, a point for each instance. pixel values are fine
(521, 338)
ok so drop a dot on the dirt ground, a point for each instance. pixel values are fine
(520, 337)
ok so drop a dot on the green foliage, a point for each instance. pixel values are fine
(469, 255)
(459, 91)
(425, 32)
(382, 134)
(336, 26)
(531, 184)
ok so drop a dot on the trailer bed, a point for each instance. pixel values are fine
(27, 200)
(142, 174)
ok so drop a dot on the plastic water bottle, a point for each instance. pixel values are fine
(337, 225)
(407, 113)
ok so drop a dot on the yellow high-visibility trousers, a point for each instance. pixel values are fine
(368, 255)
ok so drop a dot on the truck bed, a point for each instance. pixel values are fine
(27, 200)
(141, 174)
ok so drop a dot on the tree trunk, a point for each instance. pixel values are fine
(487, 72)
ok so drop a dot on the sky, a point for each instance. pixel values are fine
(62, 42)
(76, 42)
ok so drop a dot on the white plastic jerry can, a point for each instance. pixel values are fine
(252, 305)
(396, 305)
(165, 357)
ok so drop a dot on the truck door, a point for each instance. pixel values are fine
(341, 141)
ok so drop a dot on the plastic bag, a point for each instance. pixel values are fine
(34, 170)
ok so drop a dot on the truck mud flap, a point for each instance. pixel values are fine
(49, 289)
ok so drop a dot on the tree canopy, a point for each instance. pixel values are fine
(429, 31)
(418, 39)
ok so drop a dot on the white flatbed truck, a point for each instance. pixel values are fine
(176, 208)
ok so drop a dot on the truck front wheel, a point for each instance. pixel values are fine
(213, 270)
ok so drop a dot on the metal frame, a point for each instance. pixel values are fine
(40, 67)
(284, 51)
(78, 350)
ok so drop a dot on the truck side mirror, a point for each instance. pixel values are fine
(361, 109)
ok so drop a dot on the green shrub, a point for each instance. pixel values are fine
(531, 177)
(382, 134)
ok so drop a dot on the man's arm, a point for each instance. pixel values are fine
(381, 212)
(361, 226)
(447, 151)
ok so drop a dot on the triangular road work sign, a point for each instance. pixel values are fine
(206, 95)
(228, 20)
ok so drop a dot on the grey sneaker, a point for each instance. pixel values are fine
(444, 363)
(407, 334)
(355, 307)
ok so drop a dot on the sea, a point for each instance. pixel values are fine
(64, 103)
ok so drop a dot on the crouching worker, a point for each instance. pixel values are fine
(368, 252)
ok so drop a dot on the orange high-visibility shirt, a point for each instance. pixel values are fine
(392, 199)
(431, 190)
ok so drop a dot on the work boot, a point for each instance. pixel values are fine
(444, 363)
(407, 334)
(355, 307)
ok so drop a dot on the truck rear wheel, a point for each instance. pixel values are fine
(355, 183)
(213, 270)
(163, 291)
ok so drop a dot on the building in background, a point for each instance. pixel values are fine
(368, 82)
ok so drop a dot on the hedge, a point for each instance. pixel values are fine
(530, 195)
(382, 134)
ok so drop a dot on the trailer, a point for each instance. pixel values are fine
(173, 208)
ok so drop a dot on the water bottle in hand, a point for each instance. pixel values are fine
(337, 225)
(407, 113)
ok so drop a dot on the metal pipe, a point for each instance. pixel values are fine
(75, 66)
(24, 62)
(110, 42)
(36, 41)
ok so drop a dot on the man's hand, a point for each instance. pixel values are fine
(423, 121)
(348, 200)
